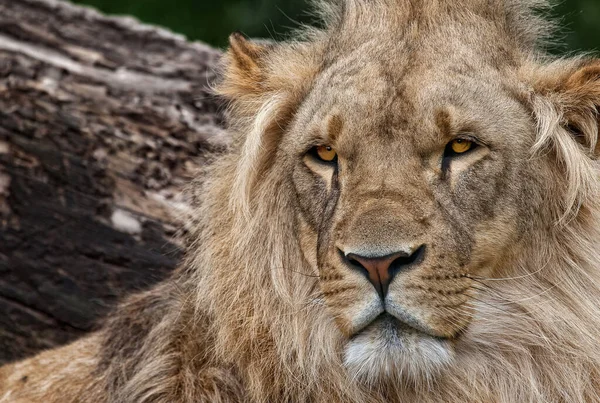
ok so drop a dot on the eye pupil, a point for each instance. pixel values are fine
(460, 146)
(326, 153)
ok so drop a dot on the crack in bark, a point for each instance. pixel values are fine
(121, 78)
(37, 312)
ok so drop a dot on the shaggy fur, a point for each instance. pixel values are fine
(504, 305)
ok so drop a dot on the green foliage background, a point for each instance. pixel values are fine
(211, 21)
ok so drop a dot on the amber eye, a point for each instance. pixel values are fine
(455, 148)
(326, 153)
(461, 146)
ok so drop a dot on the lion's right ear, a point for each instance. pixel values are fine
(244, 72)
(570, 90)
(565, 98)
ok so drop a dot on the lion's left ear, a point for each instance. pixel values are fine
(244, 73)
(568, 96)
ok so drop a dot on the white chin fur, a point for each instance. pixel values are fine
(390, 350)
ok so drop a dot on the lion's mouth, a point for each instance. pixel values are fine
(390, 346)
(391, 323)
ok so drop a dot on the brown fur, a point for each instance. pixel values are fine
(504, 305)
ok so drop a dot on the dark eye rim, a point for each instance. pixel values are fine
(450, 154)
(314, 154)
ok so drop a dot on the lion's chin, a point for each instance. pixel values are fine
(390, 349)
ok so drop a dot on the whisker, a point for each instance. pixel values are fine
(509, 278)
(518, 301)
(298, 272)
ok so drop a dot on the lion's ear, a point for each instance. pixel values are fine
(264, 83)
(244, 72)
(565, 99)
(572, 91)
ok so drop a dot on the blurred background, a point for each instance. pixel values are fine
(212, 21)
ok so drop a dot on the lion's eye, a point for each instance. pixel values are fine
(325, 153)
(455, 148)
(460, 146)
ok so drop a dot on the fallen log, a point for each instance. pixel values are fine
(102, 123)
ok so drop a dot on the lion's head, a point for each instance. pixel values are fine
(419, 181)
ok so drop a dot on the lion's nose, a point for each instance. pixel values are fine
(381, 270)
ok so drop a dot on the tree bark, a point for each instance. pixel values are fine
(102, 123)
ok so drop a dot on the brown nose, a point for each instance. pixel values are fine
(381, 270)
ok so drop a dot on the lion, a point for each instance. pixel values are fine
(409, 212)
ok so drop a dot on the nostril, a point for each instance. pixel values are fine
(360, 267)
(405, 262)
(353, 263)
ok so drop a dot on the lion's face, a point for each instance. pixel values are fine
(442, 182)
(408, 190)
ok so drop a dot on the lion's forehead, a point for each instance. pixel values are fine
(379, 101)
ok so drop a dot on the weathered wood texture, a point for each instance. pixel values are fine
(102, 123)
